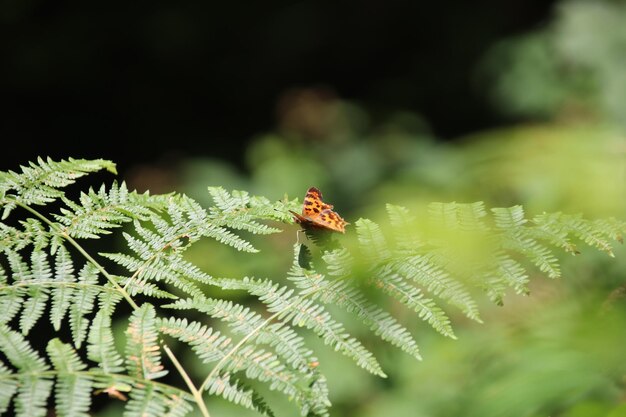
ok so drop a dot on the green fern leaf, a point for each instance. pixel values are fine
(372, 241)
(304, 312)
(236, 393)
(8, 388)
(509, 218)
(258, 364)
(612, 228)
(200, 221)
(343, 294)
(11, 300)
(176, 406)
(83, 302)
(62, 295)
(37, 295)
(34, 386)
(392, 283)
(143, 358)
(144, 402)
(73, 388)
(239, 211)
(40, 182)
(287, 343)
(32, 396)
(99, 212)
(33, 233)
(512, 273)
(404, 228)
(424, 271)
(101, 348)
(222, 199)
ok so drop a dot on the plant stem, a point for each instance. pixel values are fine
(197, 394)
(78, 247)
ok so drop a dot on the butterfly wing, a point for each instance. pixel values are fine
(316, 213)
(300, 219)
(313, 204)
(330, 220)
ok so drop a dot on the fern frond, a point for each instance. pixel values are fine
(557, 227)
(32, 396)
(159, 266)
(134, 287)
(247, 223)
(8, 387)
(34, 385)
(176, 406)
(391, 283)
(143, 358)
(40, 183)
(287, 343)
(304, 312)
(522, 241)
(144, 402)
(159, 251)
(100, 343)
(342, 294)
(237, 393)
(458, 216)
(239, 211)
(211, 346)
(372, 241)
(279, 211)
(612, 228)
(422, 270)
(339, 262)
(224, 201)
(199, 219)
(82, 303)
(11, 300)
(62, 295)
(98, 212)
(33, 233)
(73, 388)
(404, 228)
(509, 218)
(172, 401)
(37, 295)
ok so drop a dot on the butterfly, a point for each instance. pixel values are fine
(319, 215)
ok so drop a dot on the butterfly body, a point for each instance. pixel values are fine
(319, 215)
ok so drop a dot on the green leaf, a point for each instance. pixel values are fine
(34, 386)
(73, 387)
(143, 358)
(82, 303)
(40, 183)
(8, 387)
(63, 294)
(100, 343)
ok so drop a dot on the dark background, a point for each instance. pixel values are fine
(134, 81)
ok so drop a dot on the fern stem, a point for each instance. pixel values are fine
(197, 394)
(78, 247)
(104, 272)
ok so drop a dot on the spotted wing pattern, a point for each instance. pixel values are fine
(317, 214)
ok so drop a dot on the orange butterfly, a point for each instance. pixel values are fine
(317, 214)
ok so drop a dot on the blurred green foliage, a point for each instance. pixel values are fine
(559, 352)
(572, 67)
